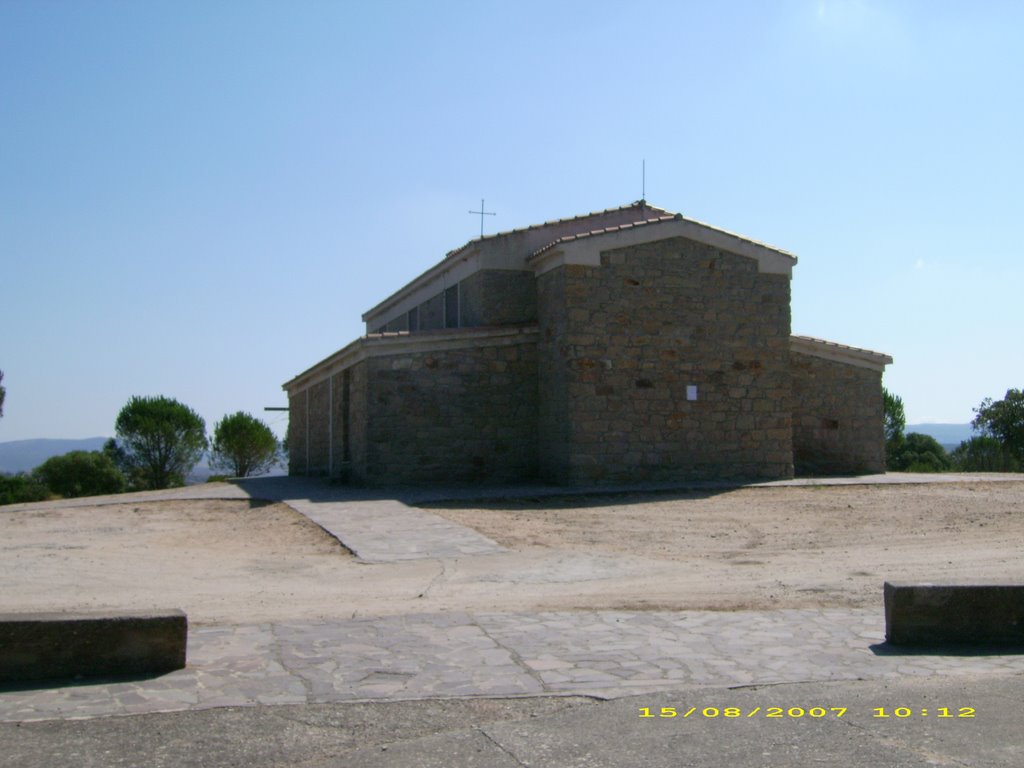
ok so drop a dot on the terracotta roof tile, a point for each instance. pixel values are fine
(606, 230)
(640, 204)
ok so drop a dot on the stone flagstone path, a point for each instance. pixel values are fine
(387, 531)
(599, 653)
(376, 529)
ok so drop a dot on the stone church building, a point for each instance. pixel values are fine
(630, 344)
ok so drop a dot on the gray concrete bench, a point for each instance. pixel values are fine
(954, 614)
(53, 646)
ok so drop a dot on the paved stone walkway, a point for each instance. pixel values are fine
(376, 527)
(387, 531)
(600, 653)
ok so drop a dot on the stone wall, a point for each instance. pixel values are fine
(837, 417)
(428, 411)
(358, 420)
(339, 408)
(621, 344)
(497, 297)
(297, 412)
(554, 431)
(323, 424)
(452, 415)
(319, 429)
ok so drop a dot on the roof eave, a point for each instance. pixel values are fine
(841, 353)
(435, 271)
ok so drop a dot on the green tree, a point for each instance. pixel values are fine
(114, 452)
(80, 473)
(920, 453)
(162, 441)
(983, 453)
(117, 455)
(893, 423)
(19, 488)
(1003, 420)
(243, 445)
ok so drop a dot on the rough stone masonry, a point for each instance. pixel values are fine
(620, 346)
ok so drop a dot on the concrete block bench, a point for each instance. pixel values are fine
(53, 646)
(954, 614)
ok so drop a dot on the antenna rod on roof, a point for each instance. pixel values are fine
(643, 179)
(482, 213)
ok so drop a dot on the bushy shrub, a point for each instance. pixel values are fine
(19, 488)
(920, 453)
(80, 473)
(984, 454)
(1003, 420)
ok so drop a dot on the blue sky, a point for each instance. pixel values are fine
(200, 199)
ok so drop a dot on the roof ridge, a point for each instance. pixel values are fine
(604, 231)
(553, 222)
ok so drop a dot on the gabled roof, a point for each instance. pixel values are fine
(586, 247)
(642, 208)
(574, 240)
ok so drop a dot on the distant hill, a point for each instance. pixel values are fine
(949, 435)
(26, 455)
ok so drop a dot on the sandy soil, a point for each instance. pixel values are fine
(239, 561)
(782, 547)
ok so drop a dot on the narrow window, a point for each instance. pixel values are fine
(451, 307)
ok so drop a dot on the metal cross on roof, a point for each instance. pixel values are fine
(482, 213)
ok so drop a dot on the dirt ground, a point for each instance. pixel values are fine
(759, 548)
